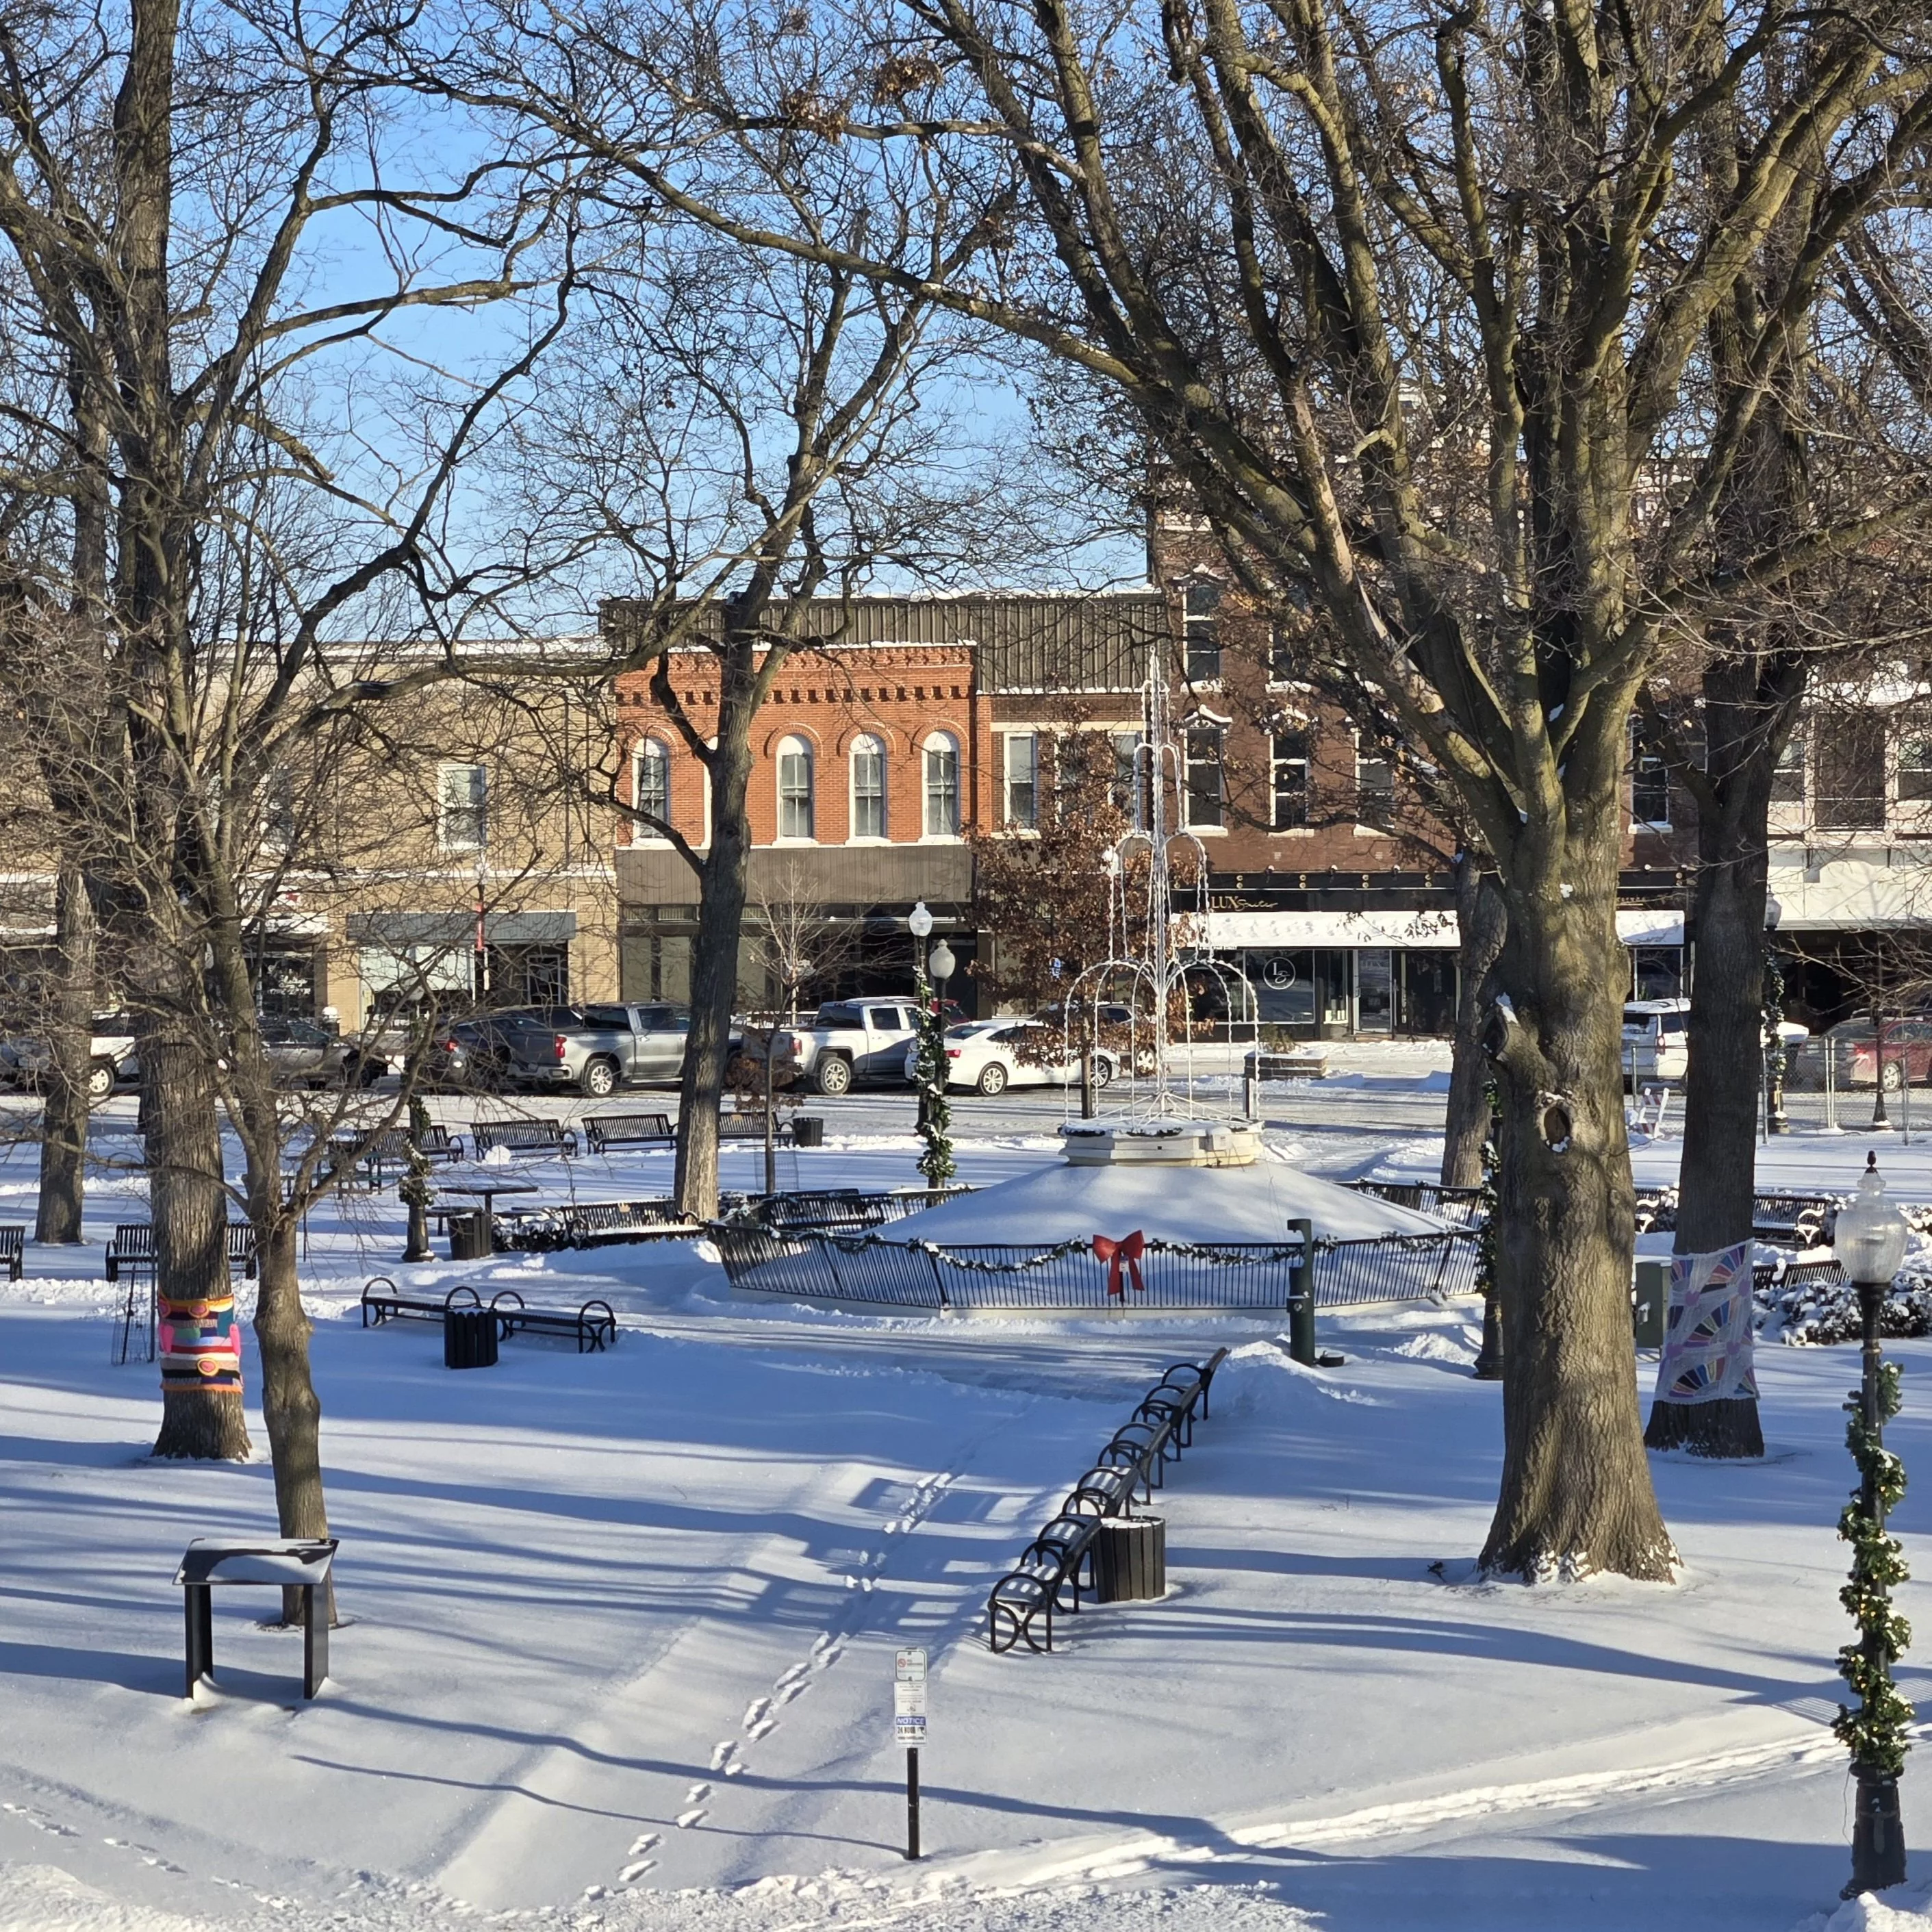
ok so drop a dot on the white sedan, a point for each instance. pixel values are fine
(991, 1055)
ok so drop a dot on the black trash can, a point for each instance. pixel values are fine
(808, 1130)
(469, 1235)
(469, 1338)
(1130, 1559)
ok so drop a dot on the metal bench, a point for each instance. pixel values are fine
(1056, 1566)
(537, 1137)
(13, 1248)
(381, 1298)
(387, 1151)
(752, 1127)
(593, 1224)
(132, 1250)
(609, 1130)
(1783, 1274)
(593, 1326)
(1794, 1220)
(1309, 1064)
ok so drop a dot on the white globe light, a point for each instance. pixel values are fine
(919, 921)
(942, 961)
(1870, 1238)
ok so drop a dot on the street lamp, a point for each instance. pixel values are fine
(1869, 1244)
(941, 963)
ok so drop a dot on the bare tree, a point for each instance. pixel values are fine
(1470, 265)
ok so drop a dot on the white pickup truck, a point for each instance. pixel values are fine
(849, 1040)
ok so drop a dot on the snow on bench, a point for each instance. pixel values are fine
(537, 1137)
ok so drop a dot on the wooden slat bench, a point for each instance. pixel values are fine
(132, 1250)
(536, 1137)
(608, 1130)
(593, 1326)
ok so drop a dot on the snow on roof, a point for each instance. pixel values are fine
(1173, 1204)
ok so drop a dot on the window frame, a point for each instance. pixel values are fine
(1279, 761)
(1201, 629)
(477, 808)
(938, 744)
(640, 758)
(868, 745)
(1009, 820)
(789, 748)
(1919, 798)
(1647, 766)
(1368, 756)
(1192, 794)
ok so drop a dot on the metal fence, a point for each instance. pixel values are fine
(1460, 1207)
(1014, 1277)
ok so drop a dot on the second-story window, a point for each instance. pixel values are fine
(868, 788)
(1787, 781)
(1374, 787)
(1202, 804)
(1650, 783)
(463, 807)
(1915, 771)
(1290, 786)
(1848, 753)
(652, 782)
(1022, 781)
(942, 787)
(794, 788)
(1125, 789)
(1200, 603)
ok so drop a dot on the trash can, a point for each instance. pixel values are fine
(1130, 1559)
(808, 1130)
(469, 1338)
(469, 1235)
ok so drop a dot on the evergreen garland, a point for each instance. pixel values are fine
(414, 1187)
(1875, 1732)
(935, 1114)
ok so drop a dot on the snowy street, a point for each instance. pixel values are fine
(619, 1628)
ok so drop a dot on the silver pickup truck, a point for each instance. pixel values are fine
(611, 1047)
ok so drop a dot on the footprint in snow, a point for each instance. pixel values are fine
(797, 1688)
(631, 1873)
(792, 1675)
(823, 1660)
(762, 1728)
(697, 1794)
(644, 1844)
(756, 1709)
(686, 1820)
(722, 1754)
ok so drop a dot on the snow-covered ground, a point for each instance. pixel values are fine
(620, 1627)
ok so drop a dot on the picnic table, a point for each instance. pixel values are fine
(281, 1563)
(487, 1190)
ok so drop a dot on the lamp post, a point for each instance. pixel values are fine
(1869, 1243)
(918, 923)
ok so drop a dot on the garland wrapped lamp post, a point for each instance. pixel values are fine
(1870, 1242)
(1489, 1363)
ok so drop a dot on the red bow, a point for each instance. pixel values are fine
(1128, 1249)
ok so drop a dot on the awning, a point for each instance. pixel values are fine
(403, 931)
(1852, 897)
(1433, 931)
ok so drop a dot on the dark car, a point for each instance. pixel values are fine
(302, 1054)
(481, 1053)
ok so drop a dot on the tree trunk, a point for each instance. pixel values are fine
(69, 1036)
(714, 989)
(290, 1407)
(1481, 919)
(188, 1207)
(1577, 1496)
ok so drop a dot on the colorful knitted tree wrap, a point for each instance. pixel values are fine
(201, 1345)
(1708, 1345)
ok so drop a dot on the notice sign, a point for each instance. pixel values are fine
(909, 1698)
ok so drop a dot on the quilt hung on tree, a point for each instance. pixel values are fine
(1708, 1333)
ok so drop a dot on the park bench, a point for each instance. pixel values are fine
(536, 1137)
(132, 1250)
(593, 1326)
(376, 1156)
(752, 1127)
(1057, 1564)
(12, 1249)
(1785, 1274)
(381, 1298)
(593, 1224)
(603, 1131)
(1793, 1220)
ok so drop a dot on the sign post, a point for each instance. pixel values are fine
(909, 1729)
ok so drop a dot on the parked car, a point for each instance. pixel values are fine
(302, 1054)
(1854, 1047)
(992, 1055)
(1656, 1040)
(603, 1048)
(850, 1040)
(111, 1059)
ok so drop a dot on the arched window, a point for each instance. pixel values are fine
(942, 786)
(794, 788)
(868, 788)
(650, 776)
